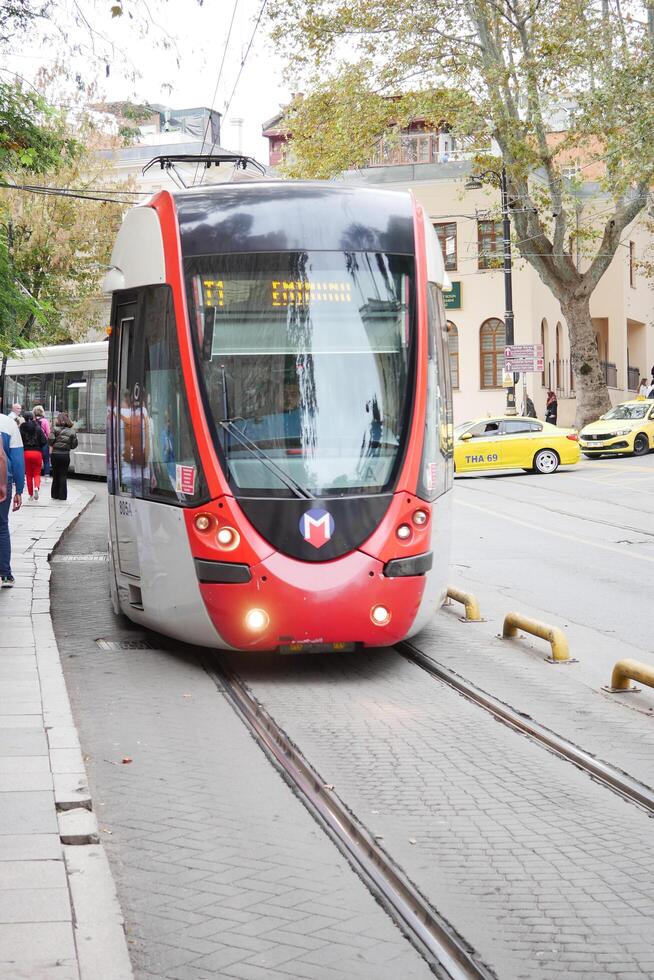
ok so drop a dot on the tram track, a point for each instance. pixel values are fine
(448, 955)
(610, 776)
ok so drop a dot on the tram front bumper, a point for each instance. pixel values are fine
(291, 604)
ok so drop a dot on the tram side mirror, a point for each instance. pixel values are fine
(466, 436)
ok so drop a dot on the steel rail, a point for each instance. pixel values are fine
(447, 953)
(612, 777)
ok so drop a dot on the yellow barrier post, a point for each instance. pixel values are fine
(469, 602)
(629, 670)
(555, 637)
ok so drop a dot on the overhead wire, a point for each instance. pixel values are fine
(72, 193)
(242, 65)
(215, 91)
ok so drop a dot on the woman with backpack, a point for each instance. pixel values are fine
(34, 440)
(62, 441)
(40, 419)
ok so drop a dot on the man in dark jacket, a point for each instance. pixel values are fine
(12, 445)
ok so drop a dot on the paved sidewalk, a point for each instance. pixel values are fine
(59, 916)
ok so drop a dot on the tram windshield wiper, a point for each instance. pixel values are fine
(263, 457)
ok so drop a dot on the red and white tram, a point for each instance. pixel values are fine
(279, 437)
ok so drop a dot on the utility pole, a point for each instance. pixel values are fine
(508, 284)
(474, 183)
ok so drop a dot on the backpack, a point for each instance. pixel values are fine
(33, 439)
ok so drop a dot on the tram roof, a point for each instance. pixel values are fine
(271, 216)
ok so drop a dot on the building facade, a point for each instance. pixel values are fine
(470, 232)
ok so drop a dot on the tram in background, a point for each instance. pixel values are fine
(280, 425)
(68, 378)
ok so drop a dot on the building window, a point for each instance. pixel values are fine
(491, 244)
(492, 341)
(453, 350)
(558, 370)
(543, 340)
(632, 264)
(446, 234)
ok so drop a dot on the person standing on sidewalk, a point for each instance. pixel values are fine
(552, 409)
(62, 440)
(16, 409)
(34, 440)
(12, 445)
(40, 419)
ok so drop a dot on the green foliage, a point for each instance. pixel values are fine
(15, 305)
(32, 133)
(16, 16)
(555, 83)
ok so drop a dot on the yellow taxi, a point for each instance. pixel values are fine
(626, 428)
(510, 442)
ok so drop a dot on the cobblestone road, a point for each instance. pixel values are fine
(544, 870)
(220, 870)
(600, 723)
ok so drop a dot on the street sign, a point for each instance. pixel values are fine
(452, 297)
(524, 358)
(524, 366)
(523, 350)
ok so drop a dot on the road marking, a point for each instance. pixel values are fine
(558, 534)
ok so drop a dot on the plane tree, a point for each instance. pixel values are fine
(506, 70)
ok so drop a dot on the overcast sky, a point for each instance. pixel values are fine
(196, 34)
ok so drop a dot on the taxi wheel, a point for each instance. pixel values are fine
(641, 444)
(546, 461)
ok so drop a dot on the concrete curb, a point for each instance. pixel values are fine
(98, 924)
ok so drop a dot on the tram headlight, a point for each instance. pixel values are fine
(257, 620)
(380, 615)
(420, 517)
(202, 522)
(228, 538)
(403, 532)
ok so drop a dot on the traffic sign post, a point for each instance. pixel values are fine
(524, 358)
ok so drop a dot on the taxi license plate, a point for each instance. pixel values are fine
(593, 445)
(290, 648)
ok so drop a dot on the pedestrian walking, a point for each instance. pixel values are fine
(34, 440)
(17, 408)
(529, 409)
(650, 393)
(62, 440)
(12, 446)
(643, 391)
(551, 408)
(39, 416)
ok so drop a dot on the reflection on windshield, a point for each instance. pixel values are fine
(307, 355)
(628, 412)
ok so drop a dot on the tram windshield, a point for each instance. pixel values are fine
(306, 356)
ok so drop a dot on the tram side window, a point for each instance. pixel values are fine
(97, 401)
(173, 470)
(436, 468)
(75, 399)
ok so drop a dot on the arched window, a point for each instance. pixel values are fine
(558, 357)
(492, 341)
(453, 350)
(543, 340)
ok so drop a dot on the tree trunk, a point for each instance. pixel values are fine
(592, 393)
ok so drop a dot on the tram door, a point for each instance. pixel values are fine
(128, 450)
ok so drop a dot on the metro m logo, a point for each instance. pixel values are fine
(317, 527)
